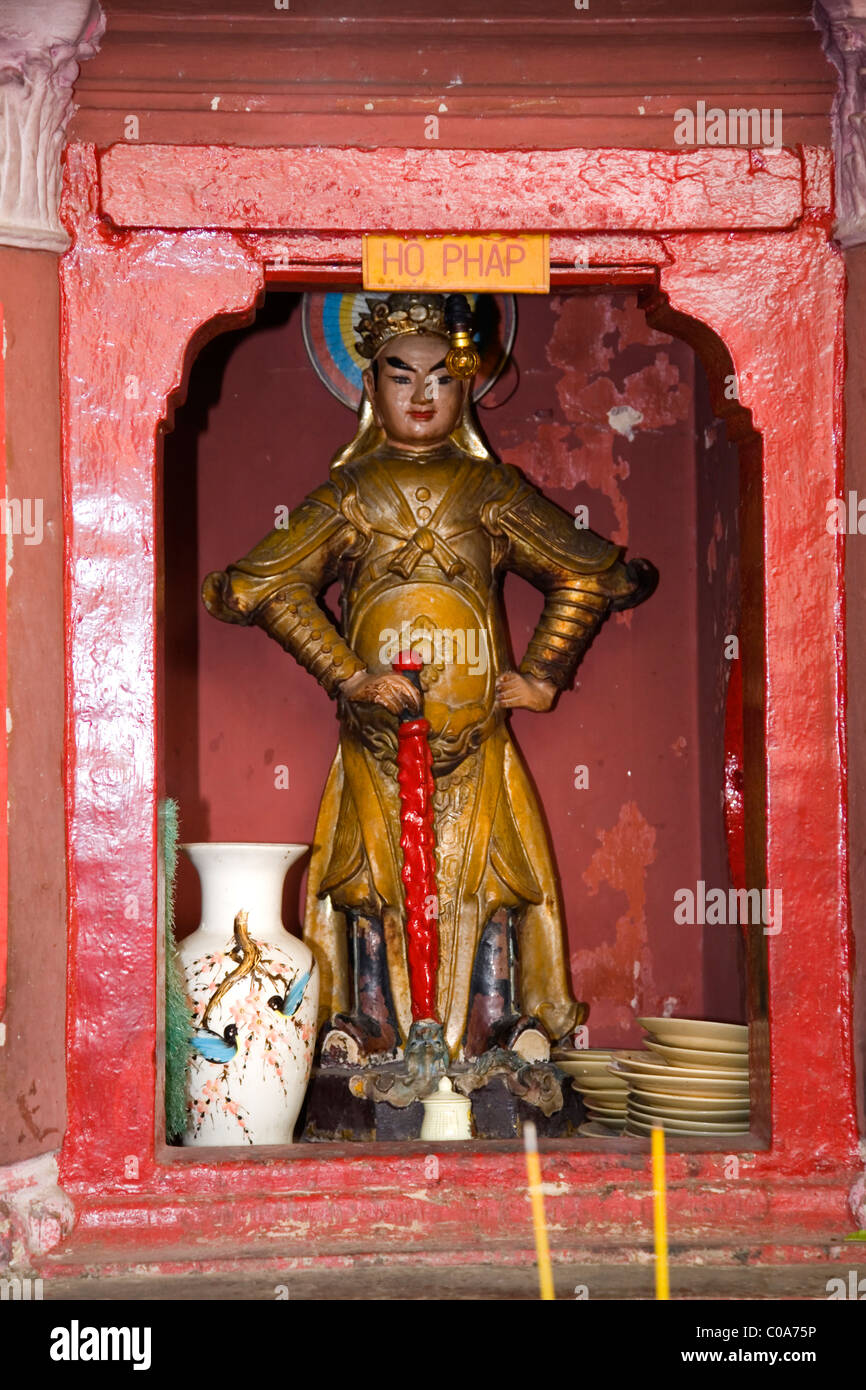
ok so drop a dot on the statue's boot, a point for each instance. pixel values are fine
(524, 1035)
(369, 1029)
(494, 1019)
(351, 1039)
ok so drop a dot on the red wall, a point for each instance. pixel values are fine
(258, 430)
(855, 471)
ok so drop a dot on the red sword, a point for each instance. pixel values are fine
(418, 843)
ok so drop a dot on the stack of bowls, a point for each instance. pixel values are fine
(605, 1095)
(693, 1078)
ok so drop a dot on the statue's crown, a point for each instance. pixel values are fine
(399, 314)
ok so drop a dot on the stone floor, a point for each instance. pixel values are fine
(479, 1282)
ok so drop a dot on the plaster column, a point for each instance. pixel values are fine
(42, 43)
(843, 27)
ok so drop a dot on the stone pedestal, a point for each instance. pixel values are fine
(332, 1113)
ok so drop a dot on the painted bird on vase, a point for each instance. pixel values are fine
(215, 1047)
(289, 1005)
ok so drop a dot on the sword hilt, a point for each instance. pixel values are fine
(410, 665)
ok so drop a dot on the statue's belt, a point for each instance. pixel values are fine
(447, 753)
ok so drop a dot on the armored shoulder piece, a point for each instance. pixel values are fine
(233, 595)
(583, 577)
(277, 585)
(536, 523)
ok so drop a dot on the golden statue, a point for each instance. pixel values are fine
(418, 523)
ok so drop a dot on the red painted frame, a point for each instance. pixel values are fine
(173, 243)
(4, 755)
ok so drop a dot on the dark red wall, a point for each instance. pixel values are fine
(520, 73)
(32, 1091)
(258, 430)
(717, 587)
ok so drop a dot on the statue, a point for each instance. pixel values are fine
(419, 522)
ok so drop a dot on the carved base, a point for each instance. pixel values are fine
(501, 1100)
(537, 1084)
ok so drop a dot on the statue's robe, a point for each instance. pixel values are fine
(420, 545)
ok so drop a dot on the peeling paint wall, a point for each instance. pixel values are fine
(598, 410)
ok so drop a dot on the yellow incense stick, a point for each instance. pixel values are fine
(536, 1196)
(660, 1213)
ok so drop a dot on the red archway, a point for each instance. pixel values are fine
(170, 241)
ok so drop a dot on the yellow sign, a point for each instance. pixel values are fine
(495, 261)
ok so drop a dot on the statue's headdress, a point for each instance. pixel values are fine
(449, 316)
(333, 323)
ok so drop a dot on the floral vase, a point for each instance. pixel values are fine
(255, 995)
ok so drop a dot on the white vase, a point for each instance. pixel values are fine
(255, 992)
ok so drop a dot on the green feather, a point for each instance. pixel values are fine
(178, 1012)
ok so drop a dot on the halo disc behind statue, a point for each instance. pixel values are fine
(328, 319)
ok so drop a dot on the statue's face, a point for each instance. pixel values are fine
(414, 399)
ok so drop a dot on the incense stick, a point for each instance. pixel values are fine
(660, 1213)
(536, 1196)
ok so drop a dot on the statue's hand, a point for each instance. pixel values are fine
(395, 692)
(514, 691)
